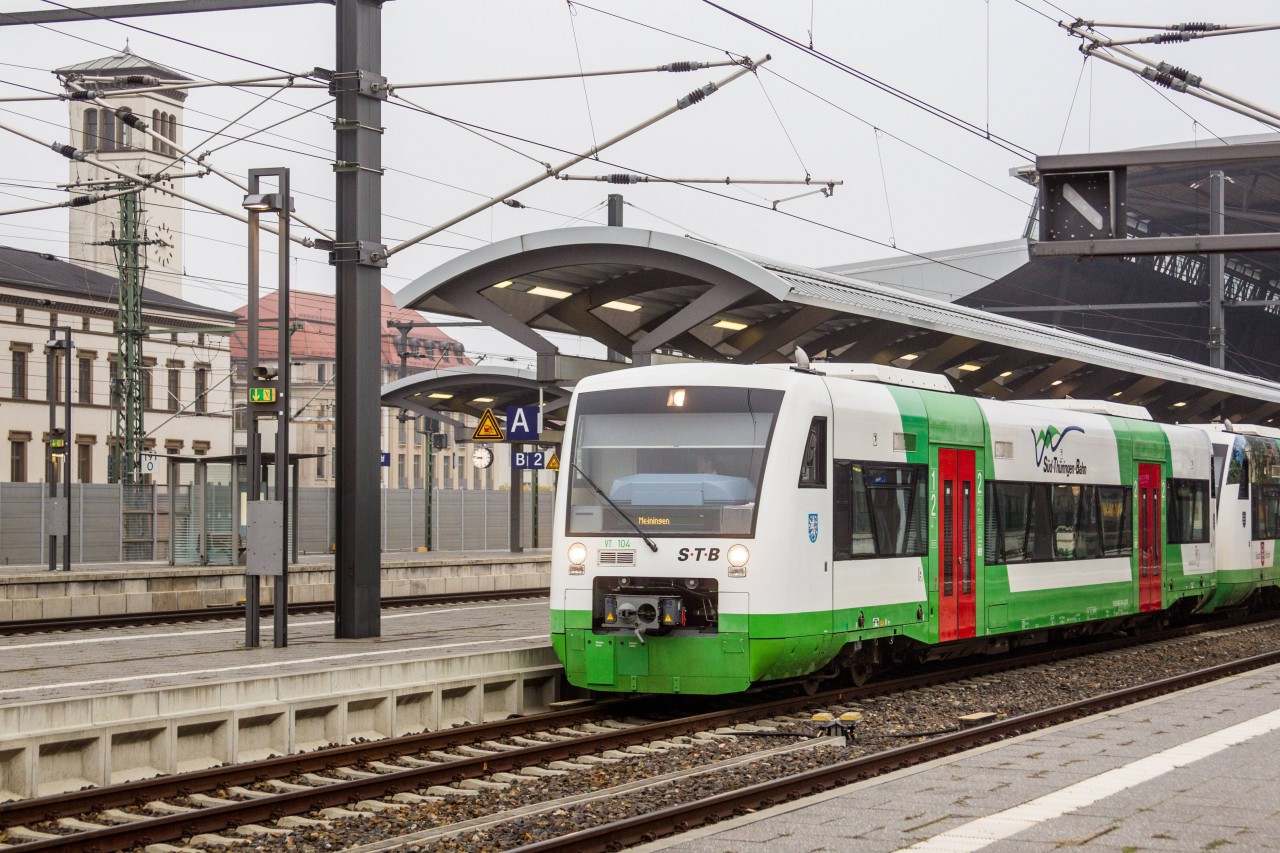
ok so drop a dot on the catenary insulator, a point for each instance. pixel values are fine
(1164, 78)
(678, 67)
(1197, 27)
(68, 151)
(139, 80)
(1180, 73)
(695, 96)
(85, 95)
(82, 200)
(130, 118)
(622, 178)
(1166, 38)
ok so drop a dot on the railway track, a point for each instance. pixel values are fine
(685, 816)
(414, 770)
(211, 614)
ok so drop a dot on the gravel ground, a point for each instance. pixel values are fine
(887, 722)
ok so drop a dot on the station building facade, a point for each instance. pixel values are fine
(186, 371)
(405, 440)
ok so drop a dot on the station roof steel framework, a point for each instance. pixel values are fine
(650, 296)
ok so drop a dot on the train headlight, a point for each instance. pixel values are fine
(737, 555)
(577, 558)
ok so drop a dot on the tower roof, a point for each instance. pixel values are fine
(120, 64)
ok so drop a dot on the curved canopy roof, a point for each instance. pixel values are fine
(646, 294)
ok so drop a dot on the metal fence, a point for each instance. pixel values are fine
(114, 523)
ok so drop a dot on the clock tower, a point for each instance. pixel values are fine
(104, 133)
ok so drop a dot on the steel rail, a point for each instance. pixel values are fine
(680, 818)
(341, 792)
(208, 614)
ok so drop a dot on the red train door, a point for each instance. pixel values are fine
(956, 523)
(1149, 550)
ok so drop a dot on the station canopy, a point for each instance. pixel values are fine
(651, 297)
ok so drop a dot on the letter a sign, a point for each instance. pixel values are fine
(522, 423)
(487, 429)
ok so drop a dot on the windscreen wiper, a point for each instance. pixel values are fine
(653, 546)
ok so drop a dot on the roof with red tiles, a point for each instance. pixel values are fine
(317, 338)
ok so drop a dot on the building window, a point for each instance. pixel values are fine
(202, 389)
(240, 418)
(200, 448)
(417, 471)
(321, 369)
(400, 472)
(17, 461)
(107, 138)
(146, 387)
(90, 130)
(84, 462)
(85, 379)
(53, 319)
(320, 460)
(175, 389)
(155, 125)
(19, 316)
(19, 391)
(55, 370)
(84, 324)
(113, 370)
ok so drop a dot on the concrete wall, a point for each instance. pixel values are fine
(45, 595)
(56, 746)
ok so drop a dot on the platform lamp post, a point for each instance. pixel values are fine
(268, 553)
(59, 509)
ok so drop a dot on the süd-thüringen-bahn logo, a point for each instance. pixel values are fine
(1047, 441)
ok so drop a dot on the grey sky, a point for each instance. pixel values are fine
(998, 64)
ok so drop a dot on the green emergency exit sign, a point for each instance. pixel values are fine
(262, 395)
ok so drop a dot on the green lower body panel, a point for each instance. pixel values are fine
(1233, 587)
(720, 663)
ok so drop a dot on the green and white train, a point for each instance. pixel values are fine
(718, 526)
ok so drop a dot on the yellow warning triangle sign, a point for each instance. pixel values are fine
(488, 429)
(553, 464)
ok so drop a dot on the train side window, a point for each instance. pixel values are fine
(1041, 532)
(897, 498)
(813, 467)
(1115, 506)
(1088, 524)
(1008, 503)
(841, 510)
(1266, 511)
(1188, 511)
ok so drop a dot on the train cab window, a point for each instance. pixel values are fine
(1188, 511)
(813, 466)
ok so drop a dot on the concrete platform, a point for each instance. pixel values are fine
(91, 589)
(91, 708)
(1195, 770)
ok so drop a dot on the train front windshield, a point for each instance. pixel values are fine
(677, 461)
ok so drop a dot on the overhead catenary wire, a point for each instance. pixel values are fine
(694, 97)
(1169, 76)
(73, 153)
(76, 201)
(669, 67)
(632, 178)
(185, 154)
(964, 124)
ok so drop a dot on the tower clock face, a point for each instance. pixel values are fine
(482, 457)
